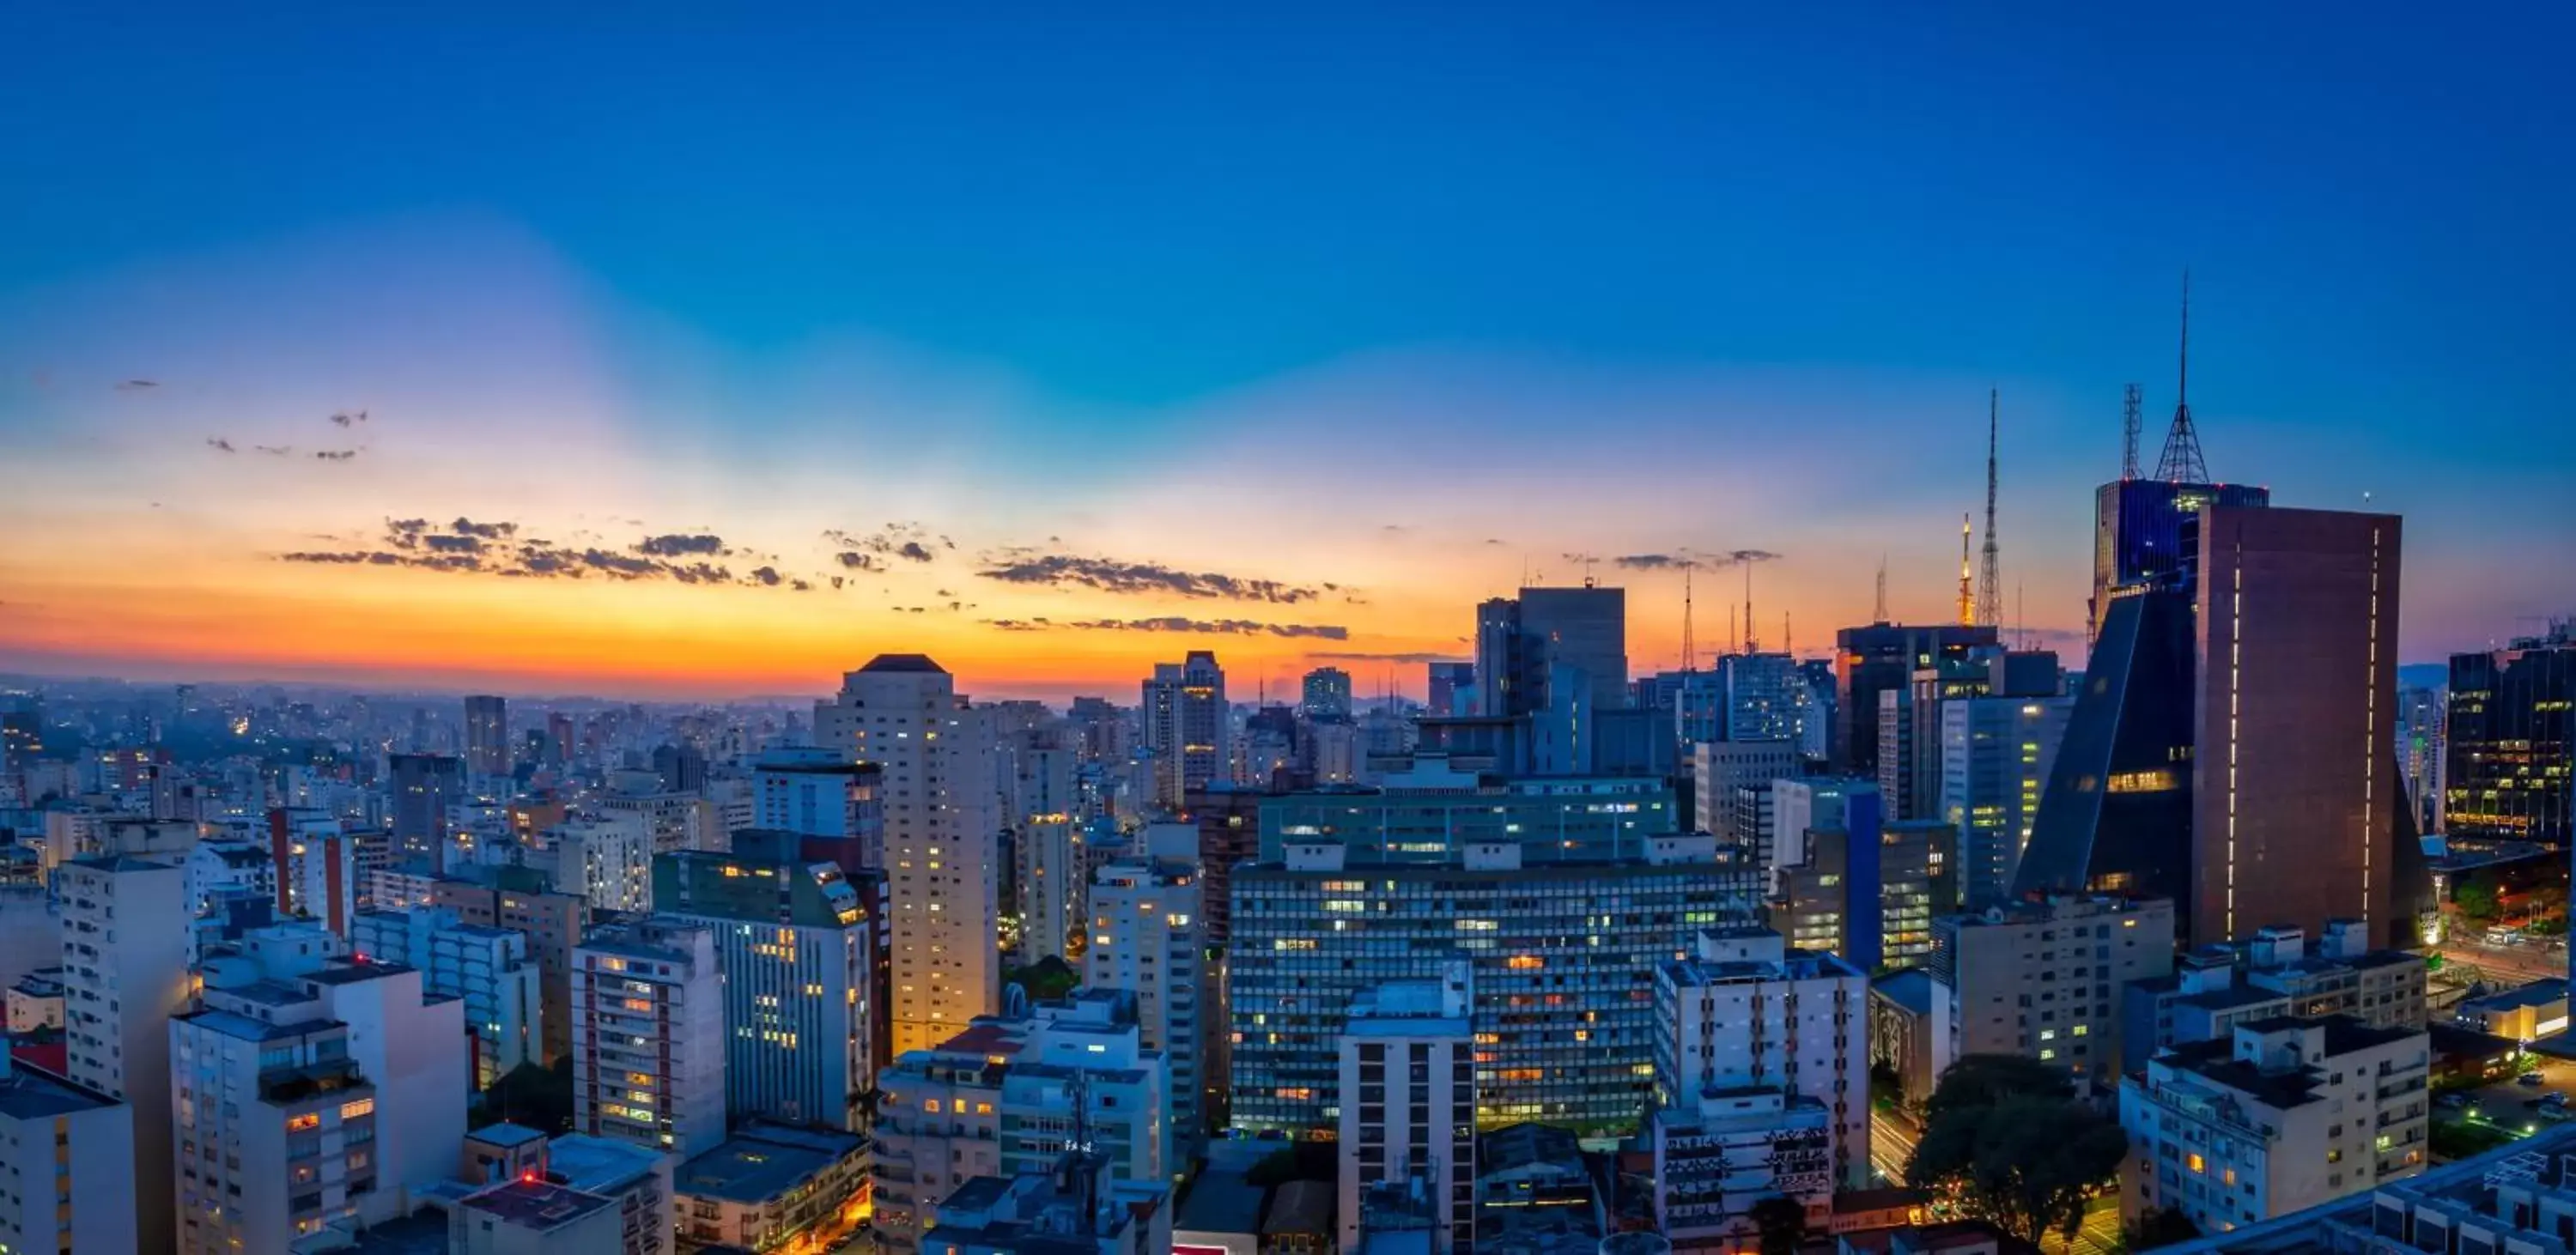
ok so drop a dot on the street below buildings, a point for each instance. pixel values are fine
(1891, 1143)
(2536, 960)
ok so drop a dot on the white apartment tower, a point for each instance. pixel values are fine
(125, 973)
(942, 837)
(648, 1037)
(1408, 1117)
(1147, 936)
(1748, 1012)
(68, 1151)
(1186, 723)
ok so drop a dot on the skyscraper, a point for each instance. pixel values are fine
(1879, 657)
(487, 736)
(2294, 783)
(1327, 694)
(1519, 642)
(118, 997)
(424, 786)
(1186, 727)
(2510, 765)
(942, 837)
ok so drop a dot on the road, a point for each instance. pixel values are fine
(1891, 1143)
(2529, 962)
(2100, 1234)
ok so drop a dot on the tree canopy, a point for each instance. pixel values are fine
(2007, 1140)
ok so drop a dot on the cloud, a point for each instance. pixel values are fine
(1176, 624)
(855, 561)
(138, 385)
(494, 548)
(1688, 560)
(345, 418)
(1112, 576)
(1363, 656)
(335, 455)
(275, 450)
(220, 445)
(677, 545)
(912, 549)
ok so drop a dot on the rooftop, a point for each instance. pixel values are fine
(751, 1168)
(913, 663)
(1301, 1207)
(506, 1135)
(29, 1092)
(2537, 993)
(535, 1205)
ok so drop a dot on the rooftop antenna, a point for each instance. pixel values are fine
(1748, 605)
(2129, 405)
(2181, 462)
(1730, 625)
(1785, 639)
(1990, 587)
(1880, 614)
(1967, 586)
(1690, 652)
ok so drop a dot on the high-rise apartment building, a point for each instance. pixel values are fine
(1007, 1095)
(649, 1037)
(317, 866)
(797, 949)
(487, 736)
(2044, 979)
(125, 930)
(488, 969)
(608, 861)
(552, 922)
(1995, 756)
(942, 837)
(1868, 891)
(2283, 1115)
(68, 1151)
(1408, 1121)
(2294, 784)
(1563, 955)
(1148, 935)
(1186, 727)
(2510, 762)
(1742, 1010)
(818, 793)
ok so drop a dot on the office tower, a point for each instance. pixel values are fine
(819, 793)
(1909, 721)
(2138, 536)
(2510, 765)
(487, 736)
(1451, 691)
(1719, 767)
(1995, 756)
(296, 1051)
(2283, 1115)
(1186, 726)
(1759, 697)
(1433, 815)
(2293, 782)
(1563, 954)
(69, 1154)
(1148, 936)
(2273, 973)
(553, 924)
(797, 949)
(488, 969)
(2422, 716)
(118, 997)
(681, 768)
(648, 1029)
(1519, 642)
(1868, 891)
(1798, 805)
(1407, 1060)
(2044, 979)
(1878, 658)
(1070, 1208)
(424, 786)
(1005, 1094)
(1327, 694)
(607, 861)
(1744, 1010)
(902, 712)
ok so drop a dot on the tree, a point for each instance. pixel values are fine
(2162, 1227)
(538, 1097)
(2005, 1139)
(1782, 1222)
(1046, 980)
(1296, 1161)
(2477, 899)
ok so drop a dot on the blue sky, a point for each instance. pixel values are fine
(1115, 233)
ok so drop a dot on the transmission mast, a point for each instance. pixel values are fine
(1967, 584)
(1879, 614)
(1990, 587)
(2181, 462)
(2129, 434)
(1690, 651)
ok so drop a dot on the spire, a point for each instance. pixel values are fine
(2182, 462)
(1879, 615)
(1990, 590)
(1690, 650)
(1967, 587)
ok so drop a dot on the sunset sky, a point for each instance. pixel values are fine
(1069, 343)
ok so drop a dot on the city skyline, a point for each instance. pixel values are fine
(1312, 339)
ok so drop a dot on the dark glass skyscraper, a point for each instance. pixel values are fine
(2510, 764)
(1883, 656)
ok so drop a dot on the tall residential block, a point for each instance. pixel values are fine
(1148, 936)
(424, 787)
(2045, 979)
(648, 1016)
(942, 837)
(125, 930)
(1187, 727)
(1744, 1011)
(798, 953)
(488, 969)
(1408, 1121)
(68, 1151)
(487, 736)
